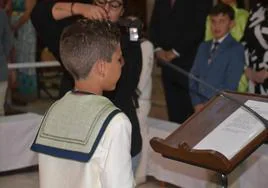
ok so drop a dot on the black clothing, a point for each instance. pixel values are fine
(180, 27)
(124, 95)
(255, 41)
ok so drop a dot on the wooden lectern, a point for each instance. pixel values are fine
(179, 145)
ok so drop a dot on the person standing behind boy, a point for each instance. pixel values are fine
(220, 61)
(240, 17)
(177, 28)
(5, 47)
(84, 140)
(54, 16)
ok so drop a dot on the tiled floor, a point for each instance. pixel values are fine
(30, 179)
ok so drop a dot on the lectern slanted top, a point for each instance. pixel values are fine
(179, 144)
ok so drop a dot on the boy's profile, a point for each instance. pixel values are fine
(84, 140)
(219, 61)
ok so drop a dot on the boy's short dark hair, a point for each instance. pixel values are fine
(85, 42)
(222, 8)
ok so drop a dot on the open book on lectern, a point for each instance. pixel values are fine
(221, 135)
(236, 131)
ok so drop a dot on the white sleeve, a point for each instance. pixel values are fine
(147, 65)
(117, 171)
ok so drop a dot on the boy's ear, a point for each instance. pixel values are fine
(100, 68)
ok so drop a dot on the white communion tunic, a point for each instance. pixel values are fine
(77, 150)
(109, 167)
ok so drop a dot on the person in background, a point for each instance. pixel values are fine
(256, 49)
(24, 50)
(77, 148)
(54, 16)
(145, 88)
(6, 5)
(5, 47)
(220, 61)
(176, 29)
(241, 18)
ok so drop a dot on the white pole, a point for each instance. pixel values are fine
(41, 64)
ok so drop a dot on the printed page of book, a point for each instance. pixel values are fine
(236, 131)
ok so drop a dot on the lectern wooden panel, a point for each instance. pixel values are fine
(179, 144)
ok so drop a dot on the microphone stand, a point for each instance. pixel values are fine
(221, 93)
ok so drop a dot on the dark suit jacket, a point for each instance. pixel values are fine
(180, 28)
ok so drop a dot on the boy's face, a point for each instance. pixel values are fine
(220, 25)
(114, 8)
(113, 70)
(229, 2)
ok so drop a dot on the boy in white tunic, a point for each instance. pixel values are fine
(84, 140)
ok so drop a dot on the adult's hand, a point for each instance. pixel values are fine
(170, 55)
(162, 55)
(63, 10)
(260, 76)
(256, 77)
(90, 11)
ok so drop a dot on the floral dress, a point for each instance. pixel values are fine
(25, 51)
(256, 45)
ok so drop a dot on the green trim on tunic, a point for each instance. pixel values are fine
(74, 122)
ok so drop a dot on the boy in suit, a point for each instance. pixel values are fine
(84, 140)
(218, 62)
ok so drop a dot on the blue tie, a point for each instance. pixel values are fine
(213, 50)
